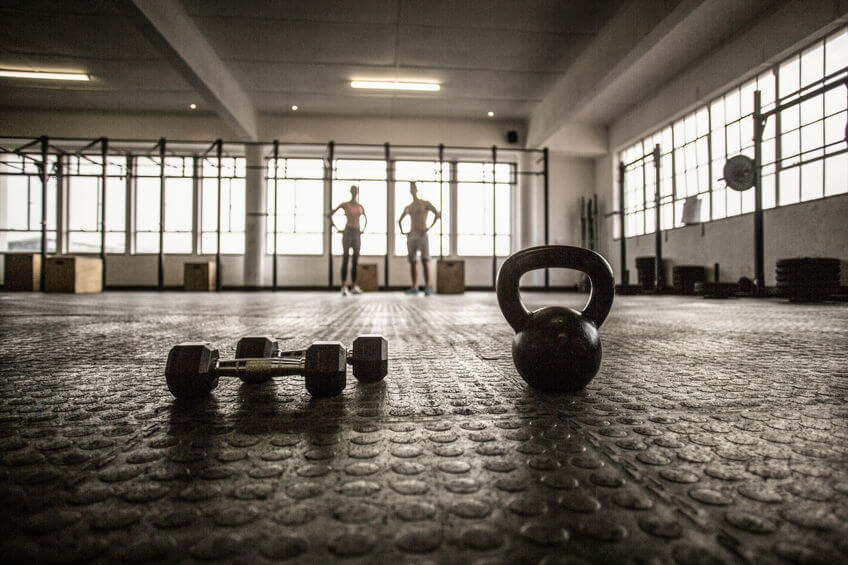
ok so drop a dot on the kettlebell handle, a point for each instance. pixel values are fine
(555, 256)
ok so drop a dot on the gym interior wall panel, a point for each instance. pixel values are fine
(131, 270)
(299, 270)
(809, 229)
(232, 270)
(300, 129)
(570, 179)
(175, 267)
(478, 271)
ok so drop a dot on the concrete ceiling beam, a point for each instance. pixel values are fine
(168, 27)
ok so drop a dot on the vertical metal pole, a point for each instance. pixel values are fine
(129, 199)
(161, 263)
(659, 272)
(219, 151)
(441, 199)
(622, 241)
(546, 204)
(331, 155)
(494, 217)
(390, 185)
(196, 198)
(104, 150)
(60, 204)
(759, 260)
(44, 175)
(276, 213)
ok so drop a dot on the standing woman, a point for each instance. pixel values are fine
(350, 238)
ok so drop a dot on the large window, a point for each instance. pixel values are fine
(20, 205)
(85, 203)
(797, 149)
(232, 205)
(298, 205)
(147, 192)
(434, 186)
(484, 204)
(370, 177)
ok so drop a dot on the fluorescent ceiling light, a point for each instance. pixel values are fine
(45, 75)
(396, 85)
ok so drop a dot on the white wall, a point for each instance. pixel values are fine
(816, 228)
(295, 129)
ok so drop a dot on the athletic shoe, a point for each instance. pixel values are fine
(411, 290)
(345, 291)
(355, 289)
(428, 291)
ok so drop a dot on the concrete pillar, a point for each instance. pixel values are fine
(255, 212)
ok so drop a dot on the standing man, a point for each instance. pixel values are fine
(416, 237)
(350, 238)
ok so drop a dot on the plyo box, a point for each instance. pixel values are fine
(22, 272)
(367, 277)
(450, 276)
(74, 274)
(199, 276)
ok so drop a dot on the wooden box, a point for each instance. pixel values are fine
(73, 274)
(199, 276)
(22, 271)
(367, 277)
(450, 276)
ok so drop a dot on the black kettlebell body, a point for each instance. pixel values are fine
(556, 349)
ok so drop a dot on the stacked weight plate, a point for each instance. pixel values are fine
(684, 278)
(645, 272)
(808, 279)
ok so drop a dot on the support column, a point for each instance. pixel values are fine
(255, 214)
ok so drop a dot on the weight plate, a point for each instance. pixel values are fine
(739, 172)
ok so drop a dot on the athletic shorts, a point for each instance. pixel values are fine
(416, 243)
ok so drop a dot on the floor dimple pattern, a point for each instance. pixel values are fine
(716, 432)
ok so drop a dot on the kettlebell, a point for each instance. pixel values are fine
(556, 349)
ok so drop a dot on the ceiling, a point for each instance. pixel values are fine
(489, 55)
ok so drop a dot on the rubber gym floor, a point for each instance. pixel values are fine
(715, 432)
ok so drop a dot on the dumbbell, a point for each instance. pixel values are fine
(193, 369)
(369, 355)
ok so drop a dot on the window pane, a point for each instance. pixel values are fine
(84, 203)
(426, 175)
(836, 51)
(812, 64)
(178, 204)
(299, 208)
(372, 196)
(477, 213)
(789, 77)
(836, 175)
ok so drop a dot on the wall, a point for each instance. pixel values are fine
(817, 228)
(297, 129)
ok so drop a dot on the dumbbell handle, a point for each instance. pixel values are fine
(260, 367)
(300, 353)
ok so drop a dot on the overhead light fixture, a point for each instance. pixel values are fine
(193, 106)
(491, 114)
(396, 85)
(294, 108)
(43, 75)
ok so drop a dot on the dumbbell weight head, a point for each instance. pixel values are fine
(325, 368)
(255, 347)
(189, 370)
(370, 358)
